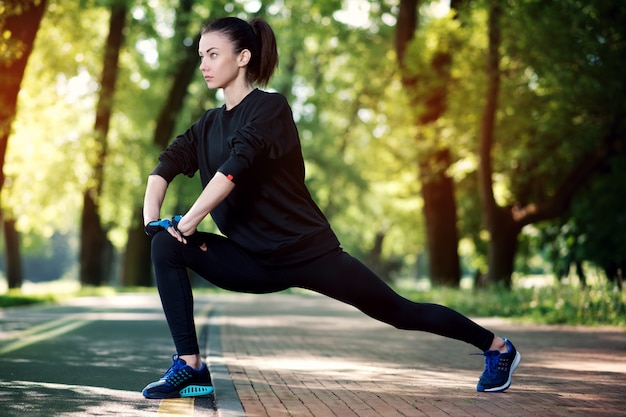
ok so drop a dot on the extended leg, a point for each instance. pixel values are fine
(344, 278)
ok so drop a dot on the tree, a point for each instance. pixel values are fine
(592, 230)
(558, 112)
(575, 118)
(137, 260)
(19, 25)
(428, 97)
(96, 251)
(598, 218)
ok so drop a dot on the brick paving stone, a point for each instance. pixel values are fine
(308, 355)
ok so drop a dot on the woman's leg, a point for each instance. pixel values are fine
(223, 264)
(340, 276)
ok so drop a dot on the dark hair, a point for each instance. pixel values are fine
(257, 37)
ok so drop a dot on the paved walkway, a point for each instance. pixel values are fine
(307, 355)
(292, 355)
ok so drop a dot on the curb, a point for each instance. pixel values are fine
(227, 401)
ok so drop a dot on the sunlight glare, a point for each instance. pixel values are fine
(76, 89)
(148, 49)
(354, 13)
(437, 9)
(138, 12)
(252, 6)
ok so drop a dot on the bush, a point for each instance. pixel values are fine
(558, 304)
(14, 298)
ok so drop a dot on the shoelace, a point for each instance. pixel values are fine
(174, 375)
(491, 363)
(492, 360)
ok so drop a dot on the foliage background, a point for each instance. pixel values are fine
(560, 89)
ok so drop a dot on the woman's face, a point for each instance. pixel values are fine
(219, 64)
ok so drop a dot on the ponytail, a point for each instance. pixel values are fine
(268, 53)
(257, 37)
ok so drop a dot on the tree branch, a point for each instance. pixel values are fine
(560, 202)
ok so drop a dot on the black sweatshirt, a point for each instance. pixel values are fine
(270, 213)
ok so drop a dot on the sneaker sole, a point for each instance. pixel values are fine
(506, 385)
(190, 391)
(196, 391)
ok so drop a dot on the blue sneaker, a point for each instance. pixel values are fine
(180, 380)
(499, 368)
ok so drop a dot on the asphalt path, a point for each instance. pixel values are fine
(292, 355)
(91, 357)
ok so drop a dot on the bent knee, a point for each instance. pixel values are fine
(163, 243)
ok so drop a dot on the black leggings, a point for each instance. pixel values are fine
(336, 274)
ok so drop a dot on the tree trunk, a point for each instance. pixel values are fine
(96, 250)
(496, 219)
(374, 257)
(502, 226)
(441, 231)
(15, 274)
(505, 223)
(502, 248)
(437, 188)
(19, 28)
(137, 266)
(440, 216)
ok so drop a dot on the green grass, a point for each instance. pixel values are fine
(15, 298)
(599, 304)
(555, 304)
(55, 292)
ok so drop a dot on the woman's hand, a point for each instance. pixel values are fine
(188, 236)
(213, 194)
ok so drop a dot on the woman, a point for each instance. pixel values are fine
(252, 171)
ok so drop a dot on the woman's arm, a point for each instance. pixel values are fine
(153, 198)
(213, 194)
